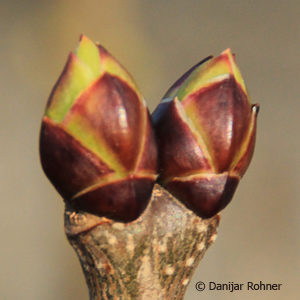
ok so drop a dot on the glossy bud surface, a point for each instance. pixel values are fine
(97, 144)
(205, 128)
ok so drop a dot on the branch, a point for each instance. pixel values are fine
(152, 257)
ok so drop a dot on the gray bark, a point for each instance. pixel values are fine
(152, 257)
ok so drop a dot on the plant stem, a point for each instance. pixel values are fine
(152, 257)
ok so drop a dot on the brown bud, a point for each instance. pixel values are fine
(205, 127)
(97, 144)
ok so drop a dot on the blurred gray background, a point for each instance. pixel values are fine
(157, 41)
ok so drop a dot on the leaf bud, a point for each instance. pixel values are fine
(97, 144)
(205, 127)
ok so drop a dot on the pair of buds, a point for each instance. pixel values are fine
(103, 151)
